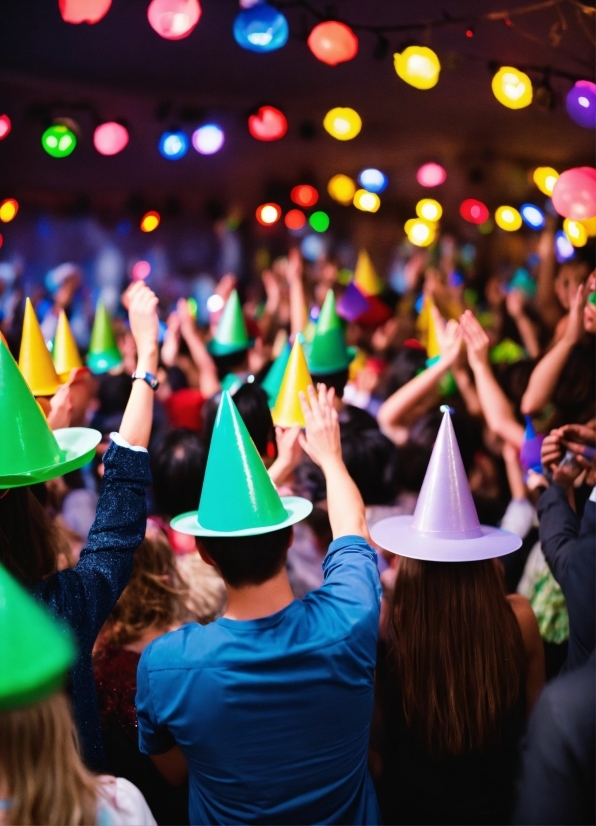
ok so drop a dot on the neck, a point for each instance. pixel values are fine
(256, 601)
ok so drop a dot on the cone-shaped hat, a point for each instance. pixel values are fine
(65, 353)
(327, 352)
(238, 497)
(353, 303)
(35, 651)
(433, 350)
(35, 360)
(31, 452)
(272, 381)
(103, 352)
(445, 526)
(529, 455)
(231, 335)
(365, 277)
(287, 411)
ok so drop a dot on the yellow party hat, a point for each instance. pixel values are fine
(432, 342)
(365, 277)
(65, 354)
(35, 361)
(287, 411)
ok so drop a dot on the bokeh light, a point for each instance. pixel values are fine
(173, 19)
(342, 123)
(267, 124)
(58, 140)
(532, 215)
(421, 233)
(512, 88)
(508, 218)
(150, 221)
(576, 232)
(332, 42)
(581, 103)
(564, 249)
(429, 209)
(173, 145)
(5, 126)
(319, 221)
(261, 28)
(268, 214)
(366, 201)
(474, 211)
(208, 139)
(295, 219)
(373, 180)
(141, 270)
(419, 66)
(215, 303)
(8, 210)
(545, 178)
(431, 174)
(83, 11)
(342, 189)
(304, 195)
(110, 138)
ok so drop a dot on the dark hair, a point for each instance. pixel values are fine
(248, 560)
(405, 366)
(372, 462)
(337, 380)
(178, 469)
(230, 362)
(251, 401)
(28, 537)
(113, 393)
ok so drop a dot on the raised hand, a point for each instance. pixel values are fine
(321, 440)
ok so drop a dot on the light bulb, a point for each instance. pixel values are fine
(419, 66)
(268, 214)
(342, 189)
(366, 201)
(429, 209)
(373, 180)
(342, 123)
(512, 88)
(508, 218)
(150, 221)
(110, 138)
(208, 139)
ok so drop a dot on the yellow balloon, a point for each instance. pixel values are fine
(419, 66)
(342, 123)
(545, 178)
(512, 88)
(576, 232)
(367, 201)
(589, 224)
(429, 209)
(508, 218)
(421, 233)
(342, 189)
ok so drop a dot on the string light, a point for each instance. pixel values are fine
(419, 66)
(419, 232)
(110, 138)
(474, 211)
(268, 214)
(431, 174)
(512, 88)
(319, 221)
(58, 140)
(342, 123)
(304, 195)
(173, 19)
(342, 189)
(295, 219)
(5, 126)
(564, 249)
(532, 216)
(150, 221)
(83, 11)
(332, 42)
(208, 139)
(508, 218)
(429, 209)
(366, 201)
(8, 210)
(261, 28)
(267, 124)
(173, 145)
(576, 232)
(141, 270)
(545, 178)
(581, 103)
(373, 180)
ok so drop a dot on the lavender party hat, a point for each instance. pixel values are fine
(445, 525)
(529, 455)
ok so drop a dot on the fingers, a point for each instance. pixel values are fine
(305, 446)
(314, 405)
(306, 408)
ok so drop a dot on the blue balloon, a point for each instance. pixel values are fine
(173, 145)
(261, 28)
(564, 249)
(533, 216)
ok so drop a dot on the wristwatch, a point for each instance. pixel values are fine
(147, 377)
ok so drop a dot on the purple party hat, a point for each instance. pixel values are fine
(529, 455)
(352, 304)
(445, 525)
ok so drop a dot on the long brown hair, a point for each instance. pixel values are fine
(459, 652)
(41, 769)
(28, 536)
(154, 597)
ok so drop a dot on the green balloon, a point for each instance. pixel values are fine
(59, 141)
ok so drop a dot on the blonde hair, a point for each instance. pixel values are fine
(41, 769)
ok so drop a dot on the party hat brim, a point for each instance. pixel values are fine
(296, 507)
(102, 362)
(397, 536)
(216, 348)
(325, 369)
(78, 448)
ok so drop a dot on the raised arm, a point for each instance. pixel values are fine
(208, 379)
(546, 298)
(526, 327)
(298, 316)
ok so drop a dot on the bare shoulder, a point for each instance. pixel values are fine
(526, 619)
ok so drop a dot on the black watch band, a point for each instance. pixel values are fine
(149, 378)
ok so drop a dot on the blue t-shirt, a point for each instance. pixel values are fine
(273, 714)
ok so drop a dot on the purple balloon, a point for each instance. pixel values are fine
(581, 103)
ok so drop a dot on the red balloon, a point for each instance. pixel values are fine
(474, 211)
(333, 42)
(83, 11)
(268, 124)
(574, 194)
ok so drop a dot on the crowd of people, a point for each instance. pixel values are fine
(330, 558)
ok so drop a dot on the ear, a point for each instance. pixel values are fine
(291, 538)
(203, 553)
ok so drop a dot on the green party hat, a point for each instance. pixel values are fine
(328, 352)
(31, 452)
(272, 381)
(231, 335)
(103, 352)
(238, 497)
(35, 651)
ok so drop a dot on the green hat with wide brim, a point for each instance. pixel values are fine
(238, 497)
(31, 452)
(272, 381)
(103, 352)
(327, 353)
(231, 335)
(35, 651)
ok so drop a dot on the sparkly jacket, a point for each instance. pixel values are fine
(85, 595)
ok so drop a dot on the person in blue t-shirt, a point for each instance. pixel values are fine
(267, 710)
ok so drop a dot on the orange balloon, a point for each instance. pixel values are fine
(332, 42)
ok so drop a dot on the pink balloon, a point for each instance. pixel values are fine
(574, 194)
(83, 11)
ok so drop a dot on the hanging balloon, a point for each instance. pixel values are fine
(267, 124)
(173, 19)
(332, 42)
(419, 66)
(576, 232)
(342, 123)
(581, 103)
(512, 88)
(431, 174)
(474, 211)
(508, 218)
(590, 226)
(574, 194)
(58, 140)
(429, 209)
(342, 189)
(545, 178)
(5, 126)
(83, 11)
(110, 138)
(261, 28)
